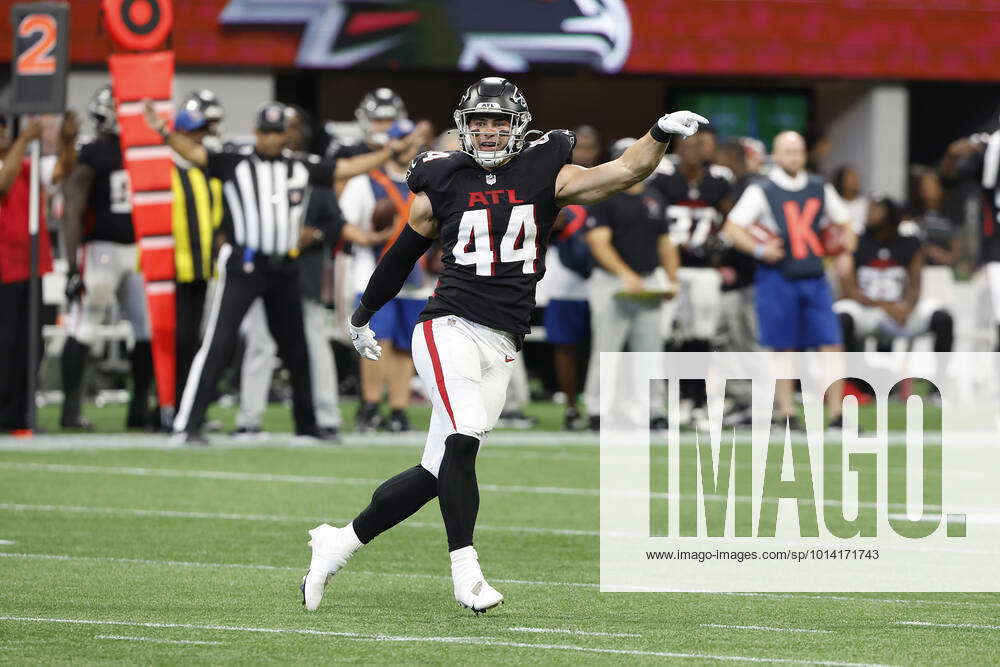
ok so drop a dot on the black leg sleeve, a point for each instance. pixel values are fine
(458, 490)
(851, 343)
(943, 327)
(142, 377)
(390, 273)
(396, 500)
(71, 366)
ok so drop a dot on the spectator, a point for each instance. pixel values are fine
(756, 154)
(629, 239)
(794, 301)
(936, 231)
(847, 183)
(882, 289)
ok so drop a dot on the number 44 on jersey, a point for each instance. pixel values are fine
(519, 243)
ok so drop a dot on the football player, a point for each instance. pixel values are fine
(493, 204)
(99, 212)
(696, 195)
(979, 157)
(376, 113)
(208, 104)
(882, 289)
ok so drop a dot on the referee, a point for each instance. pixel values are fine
(265, 194)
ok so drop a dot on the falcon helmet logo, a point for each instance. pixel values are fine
(343, 33)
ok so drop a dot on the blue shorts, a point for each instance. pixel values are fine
(395, 321)
(794, 313)
(566, 322)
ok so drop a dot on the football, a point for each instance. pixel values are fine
(384, 215)
(833, 240)
(761, 233)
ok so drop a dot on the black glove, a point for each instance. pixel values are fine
(74, 284)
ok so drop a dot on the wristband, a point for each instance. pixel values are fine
(164, 132)
(758, 251)
(362, 315)
(658, 134)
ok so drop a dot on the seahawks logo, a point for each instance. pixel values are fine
(468, 34)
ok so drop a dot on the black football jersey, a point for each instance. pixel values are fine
(882, 268)
(693, 212)
(743, 266)
(108, 215)
(637, 222)
(494, 229)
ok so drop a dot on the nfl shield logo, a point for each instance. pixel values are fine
(491, 179)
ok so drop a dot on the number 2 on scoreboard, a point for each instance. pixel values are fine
(37, 58)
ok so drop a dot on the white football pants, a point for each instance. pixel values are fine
(465, 368)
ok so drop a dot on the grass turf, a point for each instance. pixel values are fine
(217, 559)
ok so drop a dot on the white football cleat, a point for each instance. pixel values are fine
(331, 549)
(471, 589)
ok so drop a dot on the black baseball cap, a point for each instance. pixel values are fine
(271, 117)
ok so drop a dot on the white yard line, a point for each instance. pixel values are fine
(985, 514)
(116, 441)
(520, 530)
(975, 626)
(764, 627)
(477, 641)
(178, 514)
(584, 633)
(264, 477)
(7, 543)
(159, 641)
(526, 582)
(559, 439)
(281, 568)
(228, 516)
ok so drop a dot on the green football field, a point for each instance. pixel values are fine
(117, 547)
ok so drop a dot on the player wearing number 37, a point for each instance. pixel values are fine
(492, 204)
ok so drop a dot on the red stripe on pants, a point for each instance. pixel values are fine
(438, 374)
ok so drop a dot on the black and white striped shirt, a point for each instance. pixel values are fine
(266, 198)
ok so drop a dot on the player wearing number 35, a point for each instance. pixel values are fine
(492, 204)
